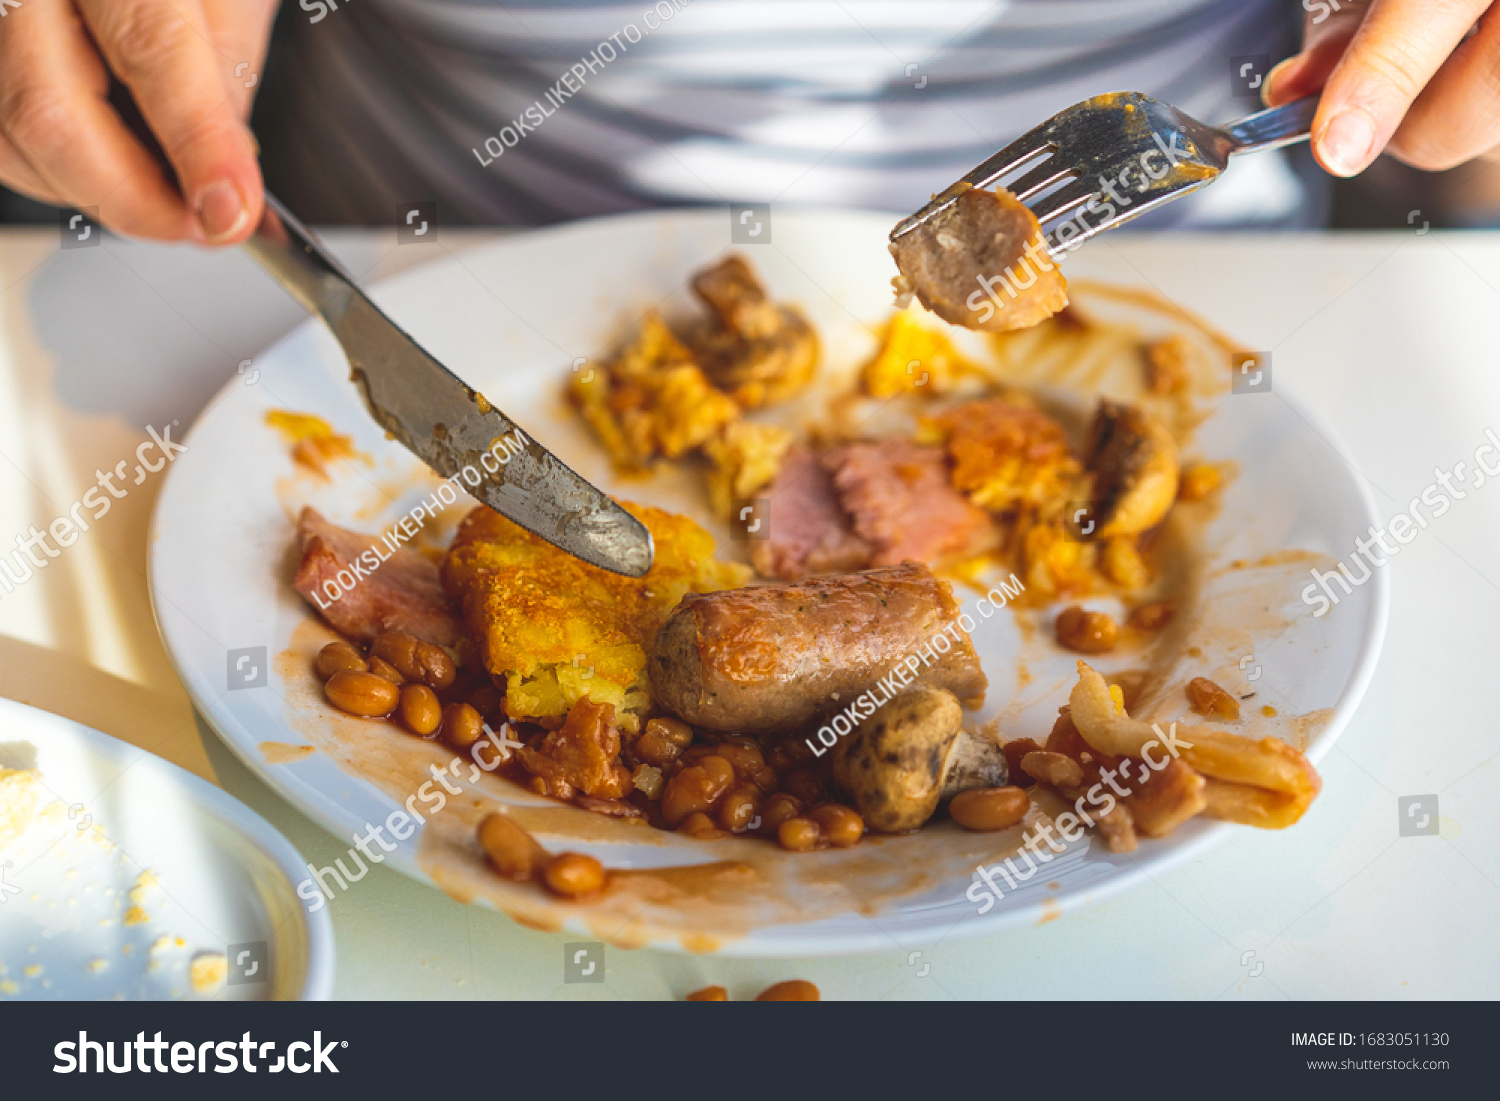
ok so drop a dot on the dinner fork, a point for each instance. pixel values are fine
(1114, 157)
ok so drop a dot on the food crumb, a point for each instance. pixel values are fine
(8, 986)
(33, 970)
(98, 965)
(136, 916)
(1268, 711)
(144, 883)
(207, 971)
(285, 753)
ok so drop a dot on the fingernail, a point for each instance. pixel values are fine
(1276, 70)
(221, 212)
(1347, 140)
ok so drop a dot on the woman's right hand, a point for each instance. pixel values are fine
(191, 66)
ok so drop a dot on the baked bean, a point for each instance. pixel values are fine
(511, 851)
(1198, 481)
(746, 759)
(1084, 631)
(841, 826)
(778, 807)
(340, 657)
(695, 788)
(793, 990)
(1049, 767)
(417, 660)
(462, 725)
(780, 760)
(1015, 750)
(574, 875)
(655, 748)
(1207, 698)
(700, 827)
(420, 710)
(386, 671)
(986, 809)
(799, 750)
(805, 785)
(737, 809)
(720, 772)
(799, 835)
(708, 994)
(362, 693)
(1151, 617)
(673, 730)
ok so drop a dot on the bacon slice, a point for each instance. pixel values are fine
(902, 501)
(402, 592)
(808, 530)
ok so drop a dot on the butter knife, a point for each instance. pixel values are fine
(446, 424)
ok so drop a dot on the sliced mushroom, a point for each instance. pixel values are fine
(913, 754)
(1134, 461)
(752, 348)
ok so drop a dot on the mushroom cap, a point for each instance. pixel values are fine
(1135, 464)
(892, 765)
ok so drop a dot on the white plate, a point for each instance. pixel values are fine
(510, 318)
(79, 922)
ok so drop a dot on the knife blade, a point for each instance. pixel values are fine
(444, 422)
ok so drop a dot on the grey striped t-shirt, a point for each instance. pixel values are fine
(528, 113)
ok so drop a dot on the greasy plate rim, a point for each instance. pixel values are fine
(317, 982)
(794, 940)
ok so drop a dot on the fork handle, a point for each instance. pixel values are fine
(1274, 127)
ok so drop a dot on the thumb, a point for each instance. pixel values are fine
(162, 52)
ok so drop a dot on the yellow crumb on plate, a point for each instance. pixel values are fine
(19, 794)
(97, 965)
(144, 883)
(33, 970)
(285, 753)
(8, 986)
(136, 916)
(207, 971)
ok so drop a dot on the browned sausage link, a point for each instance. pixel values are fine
(774, 657)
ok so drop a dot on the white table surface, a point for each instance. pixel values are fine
(1392, 338)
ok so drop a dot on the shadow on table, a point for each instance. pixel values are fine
(55, 681)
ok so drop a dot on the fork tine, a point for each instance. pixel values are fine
(1030, 144)
(1040, 178)
(1066, 199)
